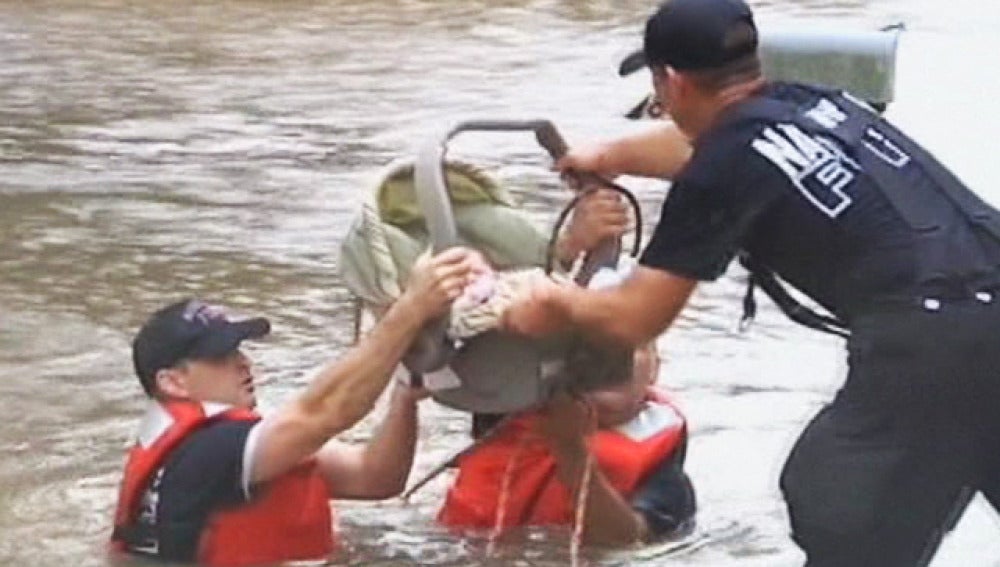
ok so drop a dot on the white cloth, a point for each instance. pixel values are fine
(482, 305)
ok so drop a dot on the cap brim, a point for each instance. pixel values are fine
(632, 63)
(227, 338)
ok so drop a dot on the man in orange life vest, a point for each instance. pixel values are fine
(638, 490)
(210, 481)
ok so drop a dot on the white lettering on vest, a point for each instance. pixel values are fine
(885, 149)
(826, 114)
(816, 166)
(829, 115)
(148, 517)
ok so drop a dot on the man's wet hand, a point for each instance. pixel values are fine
(590, 158)
(599, 215)
(438, 280)
(538, 312)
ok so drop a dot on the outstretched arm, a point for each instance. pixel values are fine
(345, 391)
(630, 314)
(380, 468)
(660, 151)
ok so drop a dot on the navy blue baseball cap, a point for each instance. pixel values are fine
(188, 329)
(696, 35)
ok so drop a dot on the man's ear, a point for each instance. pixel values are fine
(660, 77)
(170, 383)
(679, 82)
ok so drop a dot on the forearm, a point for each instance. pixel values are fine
(608, 518)
(630, 314)
(345, 391)
(567, 250)
(379, 468)
(342, 394)
(659, 152)
(602, 315)
(388, 457)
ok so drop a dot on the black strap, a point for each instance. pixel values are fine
(791, 307)
(749, 303)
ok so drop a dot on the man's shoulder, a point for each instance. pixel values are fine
(207, 467)
(724, 154)
(799, 92)
(720, 155)
(738, 120)
(217, 439)
(224, 427)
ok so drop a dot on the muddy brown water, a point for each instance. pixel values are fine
(150, 151)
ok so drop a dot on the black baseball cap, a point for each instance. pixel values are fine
(696, 35)
(188, 329)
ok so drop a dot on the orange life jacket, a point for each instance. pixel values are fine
(289, 519)
(626, 455)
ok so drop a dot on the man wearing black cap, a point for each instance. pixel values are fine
(208, 480)
(811, 185)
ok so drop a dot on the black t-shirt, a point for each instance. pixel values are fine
(204, 474)
(814, 218)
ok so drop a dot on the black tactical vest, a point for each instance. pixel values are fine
(956, 234)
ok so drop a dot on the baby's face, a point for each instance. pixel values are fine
(621, 403)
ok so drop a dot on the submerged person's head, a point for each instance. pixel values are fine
(190, 350)
(618, 404)
(701, 53)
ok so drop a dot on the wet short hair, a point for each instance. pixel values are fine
(743, 69)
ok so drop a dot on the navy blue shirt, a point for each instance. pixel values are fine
(203, 475)
(802, 207)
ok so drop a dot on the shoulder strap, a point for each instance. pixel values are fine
(791, 307)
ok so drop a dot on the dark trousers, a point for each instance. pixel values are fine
(885, 470)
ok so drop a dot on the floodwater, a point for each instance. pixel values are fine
(155, 150)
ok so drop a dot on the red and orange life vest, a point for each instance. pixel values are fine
(289, 519)
(626, 455)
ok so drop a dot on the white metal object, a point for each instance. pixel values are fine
(861, 62)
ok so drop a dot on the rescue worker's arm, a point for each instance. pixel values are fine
(380, 468)
(608, 518)
(629, 314)
(345, 390)
(660, 152)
